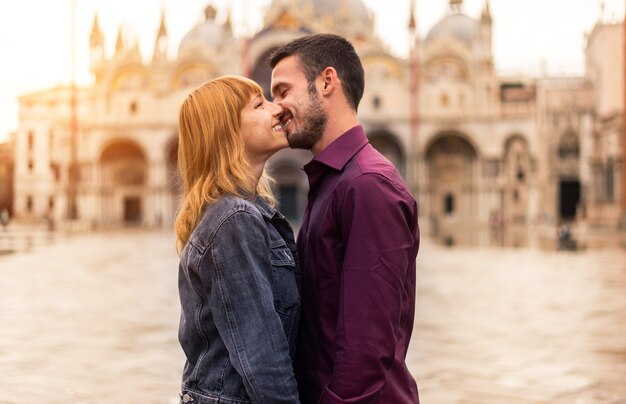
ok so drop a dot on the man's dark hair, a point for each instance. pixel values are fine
(319, 51)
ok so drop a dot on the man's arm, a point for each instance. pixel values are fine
(378, 224)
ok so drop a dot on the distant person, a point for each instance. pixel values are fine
(238, 274)
(359, 237)
(4, 218)
(565, 237)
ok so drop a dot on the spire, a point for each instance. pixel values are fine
(412, 21)
(160, 44)
(96, 42)
(162, 28)
(228, 24)
(210, 13)
(456, 5)
(119, 42)
(96, 39)
(486, 14)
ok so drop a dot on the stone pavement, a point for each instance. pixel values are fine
(93, 319)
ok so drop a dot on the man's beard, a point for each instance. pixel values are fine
(313, 123)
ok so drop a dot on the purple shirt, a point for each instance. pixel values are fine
(357, 247)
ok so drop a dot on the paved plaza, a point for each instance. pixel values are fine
(93, 319)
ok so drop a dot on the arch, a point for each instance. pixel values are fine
(123, 172)
(388, 145)
(123, 163)
(130, 78)
(191, 74)
(511, 140)
(120, 148)
(569, 144)
(451, 141)
(446, 68)
(451, 176)
(384, 62)
(262, 72)
(517, 173)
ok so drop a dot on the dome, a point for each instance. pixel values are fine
(206, 35)
(356, 10)
(457, 26)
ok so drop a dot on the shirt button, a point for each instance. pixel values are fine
(187, 398)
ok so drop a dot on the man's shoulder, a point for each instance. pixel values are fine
(371, 161)
(370, 166)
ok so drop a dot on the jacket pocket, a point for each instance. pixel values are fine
(284, 286)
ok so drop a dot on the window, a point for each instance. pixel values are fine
(133, 108)
(445, 100)
(31, 140)
(29, 203)
(449, 204)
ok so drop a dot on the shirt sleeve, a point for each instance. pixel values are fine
(242, 305)
(379, 227)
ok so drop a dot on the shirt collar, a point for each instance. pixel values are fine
(337, 154)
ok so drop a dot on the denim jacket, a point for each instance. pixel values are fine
(239, 286)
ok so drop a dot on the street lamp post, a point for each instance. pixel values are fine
(623, 196)
(72, 208)
(414, 96)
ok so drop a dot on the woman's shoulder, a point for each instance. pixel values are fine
(227, 211)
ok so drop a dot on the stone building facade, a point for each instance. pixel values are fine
(491, 159)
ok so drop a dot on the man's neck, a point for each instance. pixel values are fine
(335, 127)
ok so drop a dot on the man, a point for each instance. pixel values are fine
(359, 237)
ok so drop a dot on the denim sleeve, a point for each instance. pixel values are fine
(242, 304)
(377, 222)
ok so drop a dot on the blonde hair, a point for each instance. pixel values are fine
(211, 156)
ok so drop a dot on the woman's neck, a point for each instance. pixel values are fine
(257, 171)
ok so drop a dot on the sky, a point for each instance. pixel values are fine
(529, 36)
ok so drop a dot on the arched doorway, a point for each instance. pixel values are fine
(569, 190)
(387, 145)
(123, 176)
(516, 193)
(451, 192)
(290, 190)
(262, 73)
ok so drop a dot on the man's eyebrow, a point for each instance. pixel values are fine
(276, 86)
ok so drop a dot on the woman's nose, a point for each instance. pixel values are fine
(276, 109)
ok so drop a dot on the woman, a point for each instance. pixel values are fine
(238, 273)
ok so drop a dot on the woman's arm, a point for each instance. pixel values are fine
(242, 304)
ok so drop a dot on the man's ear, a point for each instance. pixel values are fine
(329, 80)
